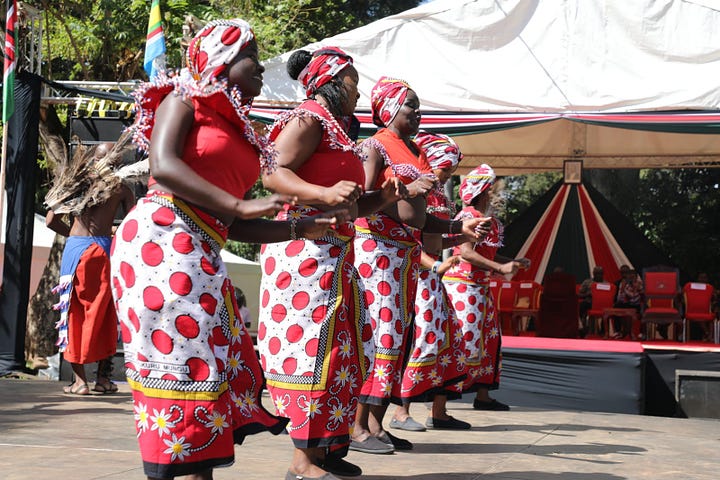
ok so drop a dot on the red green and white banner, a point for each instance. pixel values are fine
(10, 63)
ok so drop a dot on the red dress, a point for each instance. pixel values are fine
(313, 338)
(469, 292)
(387, 256)
(195, 378)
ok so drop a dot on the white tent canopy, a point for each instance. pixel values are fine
(246, 276)
(559, 59)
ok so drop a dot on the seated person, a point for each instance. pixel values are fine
(630, 294)
(585, 295)
(624, 270)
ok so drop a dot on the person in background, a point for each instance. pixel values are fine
(585, 296)
(624, 270)
(88, 327)
(387, 254)
(630, 294)
(191, 364)
(243, 309)
(437, 346)
(314, 340)
(468, 288)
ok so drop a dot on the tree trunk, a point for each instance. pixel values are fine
(41, 318)
(52, 138)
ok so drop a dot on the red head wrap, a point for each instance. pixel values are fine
(325, 64)
(386, 98)
(215, 46)
(440, 150)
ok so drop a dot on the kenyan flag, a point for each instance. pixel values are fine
(9, 70)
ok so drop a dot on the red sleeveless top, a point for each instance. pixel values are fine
(400, 155)
(216, 147)
(335, 158)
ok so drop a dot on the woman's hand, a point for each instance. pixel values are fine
(393, 190)
(318, 226)
(473, 229)
(420, 186)
(263, 207)
(524, 263)
(447, 264)
(342, 193)
(509, 268)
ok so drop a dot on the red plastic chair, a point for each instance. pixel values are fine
(603, 297)
(527, 303)
(495, 290)
(505, 302)
(661, 293)
(698, 307)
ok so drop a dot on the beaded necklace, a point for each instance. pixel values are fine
(149, 95)
(338, 137)
(403, 169)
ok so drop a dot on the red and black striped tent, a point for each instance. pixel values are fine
(574, 227)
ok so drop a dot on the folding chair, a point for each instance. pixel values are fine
(661, 294)
(527, 304)
(603, 297)
(698, 307)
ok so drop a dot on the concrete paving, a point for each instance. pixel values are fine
(45, 434)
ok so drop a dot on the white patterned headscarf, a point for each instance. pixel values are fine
(441, 151)
(215, 46)
(476, 182)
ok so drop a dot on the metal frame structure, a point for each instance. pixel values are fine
(30, 35)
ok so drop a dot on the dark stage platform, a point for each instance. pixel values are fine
(613, 376)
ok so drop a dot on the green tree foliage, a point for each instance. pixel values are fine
(104, 40)
(678, 211)
(522, 190)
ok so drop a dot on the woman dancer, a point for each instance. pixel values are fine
(313, 337)
(467, 286)
(387, 252)
(437, 350)
(189, 360)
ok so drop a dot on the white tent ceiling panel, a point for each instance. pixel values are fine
(567, 59)
(530, 55)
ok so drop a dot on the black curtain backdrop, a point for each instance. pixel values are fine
(660, 383)
(21, 172)
(573, 380)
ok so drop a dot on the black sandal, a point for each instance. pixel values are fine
(104, 388)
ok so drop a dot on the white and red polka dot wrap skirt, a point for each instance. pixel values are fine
(387, 256)
(194, 375)
(475, 311)
(315, 344)
(437, 357)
